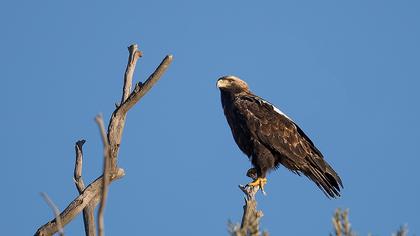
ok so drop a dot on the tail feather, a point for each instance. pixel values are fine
(324, 177)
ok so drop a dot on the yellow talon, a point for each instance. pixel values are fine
(260, 182)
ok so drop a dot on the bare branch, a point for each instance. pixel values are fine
(90, 195)
(141, 89)
(402, 231)
(134, 55)
(341, 223)
(250, 224)
(117, 122)
(88, 211)
(99, 120)
(55, 211)
(336, 220)
(80, 185)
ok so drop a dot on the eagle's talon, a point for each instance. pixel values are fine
(259, 182)
(263, 192)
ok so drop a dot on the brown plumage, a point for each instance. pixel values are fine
(270, 138)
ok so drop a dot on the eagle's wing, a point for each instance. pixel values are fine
(287, 141)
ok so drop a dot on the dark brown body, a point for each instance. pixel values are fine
(270, 138)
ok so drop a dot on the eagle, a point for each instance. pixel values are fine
(270, 138)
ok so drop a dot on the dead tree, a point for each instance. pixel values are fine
(250, 224)
(96, 192)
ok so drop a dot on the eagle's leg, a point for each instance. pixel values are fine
(258, 181)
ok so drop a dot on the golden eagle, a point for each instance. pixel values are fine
(270, 138)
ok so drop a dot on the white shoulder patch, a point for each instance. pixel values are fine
(276, 109)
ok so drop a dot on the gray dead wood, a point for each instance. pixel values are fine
(92, 193)
(89, 210)
(105, 174)
(250, 224)
(56, 212)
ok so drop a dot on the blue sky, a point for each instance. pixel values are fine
(346, 71)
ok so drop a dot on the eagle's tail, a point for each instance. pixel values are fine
(324, 177)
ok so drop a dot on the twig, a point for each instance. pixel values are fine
(402, 231)
(134, 55)
(92, 193)
(100, 121)
(55, 211)
(80, 185)
(341, 223)
(88, 211)
(346, 225)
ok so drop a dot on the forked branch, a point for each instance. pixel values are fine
(91, 195)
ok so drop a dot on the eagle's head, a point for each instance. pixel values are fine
(232, 84)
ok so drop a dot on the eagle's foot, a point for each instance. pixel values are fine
(260, 182)
(252, 173)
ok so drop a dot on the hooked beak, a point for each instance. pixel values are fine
(221, 83)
